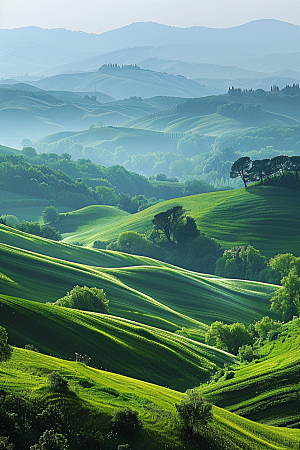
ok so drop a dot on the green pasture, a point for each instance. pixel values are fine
(113, 343)
(266, 390)
(138, 288)
(97, 394)
(24, 207)
(266, 217)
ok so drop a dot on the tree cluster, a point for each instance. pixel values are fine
(175, 239)
(258, 170)
(86, 299)
(239, 111)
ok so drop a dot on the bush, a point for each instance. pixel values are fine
(246, 353)
(126, 422)
(4, 444)
(86, 299)
(57, 382)
(51, 441)
(50, 214)
(193, 412)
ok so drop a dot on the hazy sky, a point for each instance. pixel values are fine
(102, 15)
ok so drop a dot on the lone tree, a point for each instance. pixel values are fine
(168, 222)
(193, 412)
(5, 349)
(86, 299)
(240, 168)
(50, 214)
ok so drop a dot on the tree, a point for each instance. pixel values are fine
(187, 231)
(50, 440)
(193, 412)
(284, 263)
(287, 298)
(126, 422)
(4, 444)
(5, 349)
(265, 325)
(228, 337)
(168, 222)
(240, 168)
(50, 214)
(86, 299)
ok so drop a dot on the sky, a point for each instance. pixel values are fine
(97, 16)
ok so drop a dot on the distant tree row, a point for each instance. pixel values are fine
(259, 169)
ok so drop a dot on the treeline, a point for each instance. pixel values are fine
(259, 170)
(239, 111)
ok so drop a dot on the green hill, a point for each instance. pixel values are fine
(266, 217)
(139, 289)
(266, 390)
(98, 394)
(113, 343)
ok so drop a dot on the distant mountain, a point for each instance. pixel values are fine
(125, 82)
(35, 51)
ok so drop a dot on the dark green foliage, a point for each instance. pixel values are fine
(50, 214)
(5, 349)
(240, 168)
(168, 222)
(50, 440)
(50, 418)
(4, 444)
(86, 299)
(228, 337)
(193, 412)
(37, 229)
(57, 382)
(187, 231)
(126, 422)
(245, 263)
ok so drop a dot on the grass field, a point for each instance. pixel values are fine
(113, 343)
(138, 288)
(266, 217)
(266, 390)
(24, 207)
(97, 394)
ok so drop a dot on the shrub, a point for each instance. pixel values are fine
(193, 412)
(246, 353)
(126, 422)
(57, 382)
(86, 299)
(51, 441)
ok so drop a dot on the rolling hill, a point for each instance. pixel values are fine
(113, 343)
(139, 288)
(267, 389)
(265, 217)
(99, 393)
(124, 82)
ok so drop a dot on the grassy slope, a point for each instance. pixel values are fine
(265, 217)
(139, 288)
(266, 390)
(210, 124)
(104, 392)
(113, 343)
(24, 207)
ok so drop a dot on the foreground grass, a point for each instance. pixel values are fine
(266, 390)
(266, 217)
(97, 394)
